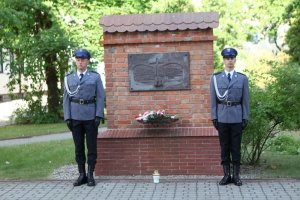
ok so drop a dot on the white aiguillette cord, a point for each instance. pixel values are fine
(68, 89)
(220, 97)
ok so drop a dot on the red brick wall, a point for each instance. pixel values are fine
(187, 147)
(192, 106)
(179, 151)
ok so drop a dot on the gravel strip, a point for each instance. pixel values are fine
(70, 172)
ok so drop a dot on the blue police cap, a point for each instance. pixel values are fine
(229, 52)
(82, 53)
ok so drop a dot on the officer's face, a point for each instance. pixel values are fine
(82, 64)
(229, 63)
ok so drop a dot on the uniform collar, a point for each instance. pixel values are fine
(78, 73)
(231, 73)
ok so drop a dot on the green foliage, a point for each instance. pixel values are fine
(242, 21)
(42, 35)
(285, 91)
(293, 41)
(284, 144)
(260, 127)
(273, 108)
(35, 115)
(39, 51)
(171, 6)
(292, 15)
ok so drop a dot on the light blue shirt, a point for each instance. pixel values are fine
(78, 73)
(231, 73)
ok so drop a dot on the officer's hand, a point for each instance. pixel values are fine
(215, 123)
(98, 120)
(244, 124)
(69, 124)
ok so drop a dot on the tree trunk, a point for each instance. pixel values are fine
(52, 80)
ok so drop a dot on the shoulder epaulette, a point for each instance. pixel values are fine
(71, 72)
(217, 73)
(94, 71)
(241, 73)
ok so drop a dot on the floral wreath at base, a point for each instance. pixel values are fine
(158, 117)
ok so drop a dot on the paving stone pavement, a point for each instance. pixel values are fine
(137, 189)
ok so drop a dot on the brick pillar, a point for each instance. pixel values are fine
(189, 146)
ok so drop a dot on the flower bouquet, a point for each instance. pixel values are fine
(158, 117)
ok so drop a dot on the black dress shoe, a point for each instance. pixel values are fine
(237, 181)
(236, 175)
(225, 180)
(90, 180)
(82, 179)
(227, 177)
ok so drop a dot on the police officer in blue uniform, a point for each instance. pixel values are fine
(83, 105)
(229, 92)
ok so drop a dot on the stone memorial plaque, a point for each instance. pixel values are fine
(159, 71)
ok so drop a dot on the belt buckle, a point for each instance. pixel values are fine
(228, 103)
(81, 101)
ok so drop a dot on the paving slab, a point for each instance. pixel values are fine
(131, 189)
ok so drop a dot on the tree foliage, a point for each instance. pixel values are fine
(31, 35)
(285, 91)
(171, 6)
(262, 124)
(292, 15)
(41, 35)
(242, 21)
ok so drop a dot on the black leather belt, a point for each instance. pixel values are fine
(82, 101)
(230, 103)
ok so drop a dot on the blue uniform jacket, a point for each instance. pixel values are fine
(238, 91)
(91, 87)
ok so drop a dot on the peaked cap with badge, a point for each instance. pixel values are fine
(82, 53)
(229, 53)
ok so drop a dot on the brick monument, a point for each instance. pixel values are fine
(189, 146)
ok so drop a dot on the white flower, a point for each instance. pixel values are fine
(155, 116)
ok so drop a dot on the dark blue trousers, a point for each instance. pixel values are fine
(230, 136)
(85, 130)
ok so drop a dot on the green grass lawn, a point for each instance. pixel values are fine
(293, 134)
(278, 165)
(35, 161)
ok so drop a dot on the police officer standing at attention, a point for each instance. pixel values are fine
(229, 92)
(83, 105)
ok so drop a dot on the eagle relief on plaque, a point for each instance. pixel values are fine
(159, 71)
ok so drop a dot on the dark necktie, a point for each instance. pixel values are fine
(81, 75)
(228, 76)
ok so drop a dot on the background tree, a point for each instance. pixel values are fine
(292, 16)
(39, 49)
(42, 35)
(242, 21)
(263, 125)
(171, 6)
